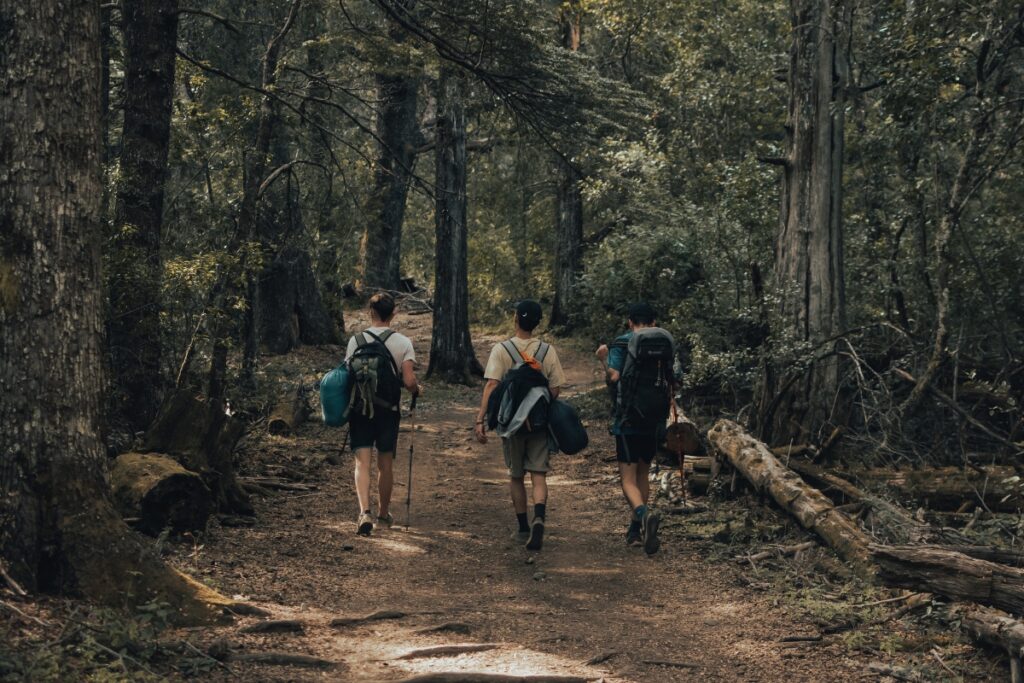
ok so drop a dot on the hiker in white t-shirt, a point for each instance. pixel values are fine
(375, 423)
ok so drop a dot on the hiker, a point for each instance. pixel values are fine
(381, 363)
(639, 372)
(527, 375)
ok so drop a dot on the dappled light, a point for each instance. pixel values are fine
(511, 341)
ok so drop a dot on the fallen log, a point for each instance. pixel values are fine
(995, 628)
(1013, 558)
(954, 575)
(812, 509)
(947, 488)
(898, 523)
(159, 493)
(289, 413)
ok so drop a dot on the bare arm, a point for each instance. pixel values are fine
(554, 391)
(481, 416)
(409, 378)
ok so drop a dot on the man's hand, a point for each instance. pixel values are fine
(481, 432)
(602, 352)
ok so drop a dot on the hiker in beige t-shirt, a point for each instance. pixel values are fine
(524, 451)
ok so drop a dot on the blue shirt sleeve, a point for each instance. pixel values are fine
(617, 353)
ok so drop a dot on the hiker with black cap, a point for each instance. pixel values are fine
(523, 376)
(640, 373)
(380, 363)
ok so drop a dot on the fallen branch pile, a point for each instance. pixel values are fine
(990, 577)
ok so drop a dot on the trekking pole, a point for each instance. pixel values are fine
(412, 440)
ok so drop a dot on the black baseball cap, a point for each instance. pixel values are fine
(642, 313)
(528, 313)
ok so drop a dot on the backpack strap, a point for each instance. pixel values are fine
(513, 351)
(542, 351)
(361, 339)
(383, 339)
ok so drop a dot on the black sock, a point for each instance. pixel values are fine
(521, 518)
(634, 525)
(538, 510)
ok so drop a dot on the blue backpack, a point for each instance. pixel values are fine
(335, 395)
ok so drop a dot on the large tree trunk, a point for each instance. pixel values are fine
(451, 350)
(809, 246)
(134, 268)
(58, 527)
(569, 205)
(398, 136)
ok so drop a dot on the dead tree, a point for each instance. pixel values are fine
(809, 245)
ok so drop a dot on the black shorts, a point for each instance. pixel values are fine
(380, 430)
(632, 448)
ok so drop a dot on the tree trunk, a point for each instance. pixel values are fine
(159, 493)
(935, 569)
(398, 136)
(289, 308)
(134, 269)
(811, 508)
(58, 527)
(948, 488)
(227, 290)
(569, 205)
(451, 350)
(809, 246)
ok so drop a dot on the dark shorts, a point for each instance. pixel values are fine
(380, 430)
(632, 448)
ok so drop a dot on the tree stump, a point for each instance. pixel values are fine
(202, 438)
(159, 493)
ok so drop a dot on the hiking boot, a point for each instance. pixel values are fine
(365, 524)
(384, 522)
(651, 522)
(520, 537)
(536, 535)
(633, 537)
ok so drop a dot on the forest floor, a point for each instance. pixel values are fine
(586, 605)
(585, 597)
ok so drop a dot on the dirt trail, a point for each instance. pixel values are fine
(585, 595)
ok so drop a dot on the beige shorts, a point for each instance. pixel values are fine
(526, 453)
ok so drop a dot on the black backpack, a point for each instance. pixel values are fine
(374, 375)
(515, 385)
(644, 396)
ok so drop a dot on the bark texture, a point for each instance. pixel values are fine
(58, 528)
(811, 508)
(451, 350)
(398, 136)
(150, 29)
(946, 572)
(809, 245)
(569, 204)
